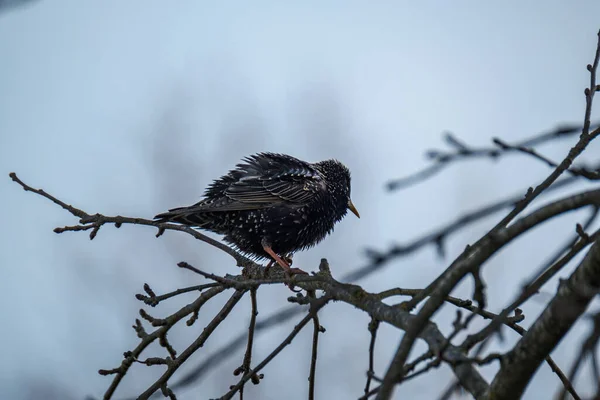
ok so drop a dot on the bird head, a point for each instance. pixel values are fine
(337, 178)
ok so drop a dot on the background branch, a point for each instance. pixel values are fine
(566, 307)
(474, 256)
(460, 151)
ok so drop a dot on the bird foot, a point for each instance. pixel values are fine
(289, 272)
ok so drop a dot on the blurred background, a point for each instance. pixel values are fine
(133, 107)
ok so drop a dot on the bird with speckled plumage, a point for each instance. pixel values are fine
(272, 205)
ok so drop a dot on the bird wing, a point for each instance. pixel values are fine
(264, 180)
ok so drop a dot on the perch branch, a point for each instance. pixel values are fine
(95, 221)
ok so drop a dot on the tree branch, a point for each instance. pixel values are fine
(320, 303)
(246, 364)
(199, 342)
(570, 302)
(461, 152)
(94, 222)
(473, 257)
(161, 331)
(317, 328)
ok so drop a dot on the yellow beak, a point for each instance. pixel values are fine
(353, 209)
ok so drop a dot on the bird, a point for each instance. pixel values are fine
(272, 205)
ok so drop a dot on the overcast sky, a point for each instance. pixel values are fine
(132, 107)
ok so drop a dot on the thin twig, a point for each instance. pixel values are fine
(373, 327)
(588, 348)
(191, 349)
(149, 338)
(317, 328)
(413, 364)
(566, 247)
(246, 364)
(439, 236)
(592, 175)
(528, 291)
(155, 300)
(461, 151)
(318, 305)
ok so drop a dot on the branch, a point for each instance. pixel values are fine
(354, 295)
(199, 342)
(570, 302)
(529, 290)
(439, 235)
(474, 256)
(246, 367)
(373, 327)
(583, 172)
(584, 140)
(94, 222)
(588, 348)
(568, 247)
(466, 373)
(317, 328)
(228, 349)
(169, 322)
(461, 152)
(320, 303)
(153, 300)
(379, 260)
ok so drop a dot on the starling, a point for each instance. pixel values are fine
(272, 205)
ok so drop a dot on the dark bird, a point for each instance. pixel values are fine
(272, 205)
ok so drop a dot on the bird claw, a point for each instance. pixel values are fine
(291, 286)
(290, 274)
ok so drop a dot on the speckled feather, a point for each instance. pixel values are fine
(274, 198)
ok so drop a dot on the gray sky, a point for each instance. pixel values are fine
(133, 107)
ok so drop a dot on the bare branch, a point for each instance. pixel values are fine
(570, 245)
(592, 175)
(461, 152)
(473, 257)
(517, 366)
(317, 328)
(154, 300)
(529, 290)
(584, 140)
(246, 367)
(149, 338)
(378, 262)
(373, 327)
(439, 236)
(372, 304)
(199, 342)
(317, 305)
(566, 307)
(95, 221)
(488, 244)
(588, 348)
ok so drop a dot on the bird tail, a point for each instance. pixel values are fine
(183, 215)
